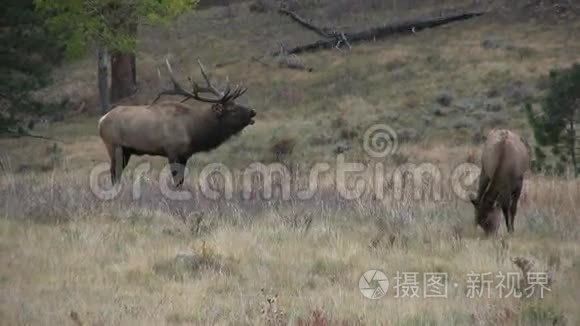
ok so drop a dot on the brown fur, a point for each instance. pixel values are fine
(504, 161)
(171, 129)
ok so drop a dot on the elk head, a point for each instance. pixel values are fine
(231, 114)
(487, 214)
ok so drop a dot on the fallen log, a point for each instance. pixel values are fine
(322, 31)
(380, 32)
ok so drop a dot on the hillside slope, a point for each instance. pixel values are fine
(485, 68)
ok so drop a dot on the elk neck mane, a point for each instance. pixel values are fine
(205, 124)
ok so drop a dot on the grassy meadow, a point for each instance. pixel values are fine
(68, 257)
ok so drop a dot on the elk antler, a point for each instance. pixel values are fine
(222, 97)
(210, 88)
(179, 90)
(227, 95)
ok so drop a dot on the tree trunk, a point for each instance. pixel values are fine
(123, 21)
(103, 79)
(123, 75)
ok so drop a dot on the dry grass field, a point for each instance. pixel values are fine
(68, 257)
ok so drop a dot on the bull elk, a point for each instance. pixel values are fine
(174, 130)
(504, 160)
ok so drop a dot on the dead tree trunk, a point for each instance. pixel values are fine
(374, 33)
(103, 78)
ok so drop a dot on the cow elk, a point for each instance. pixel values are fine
(174, 130)
(504, 161)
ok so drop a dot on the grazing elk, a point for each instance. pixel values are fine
(173, 129)
(504, 160)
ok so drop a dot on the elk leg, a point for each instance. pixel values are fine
(126, 156)
(505, 208)
(119, 160)
(111, 151)
(116, 164)
(112, 171)
(177, 171)
(514, 206)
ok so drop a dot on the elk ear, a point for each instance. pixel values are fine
(219, 109)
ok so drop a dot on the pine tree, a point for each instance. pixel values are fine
(27, 51)
(557, 125)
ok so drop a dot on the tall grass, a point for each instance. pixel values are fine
(154, 260)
